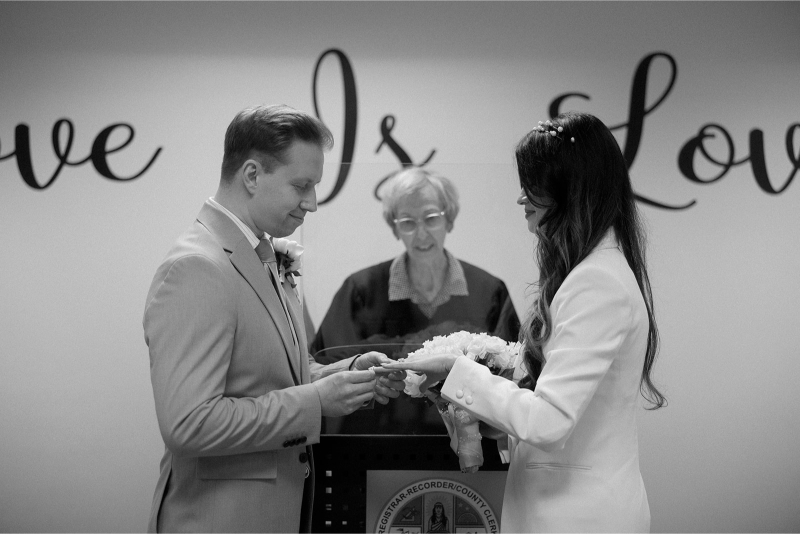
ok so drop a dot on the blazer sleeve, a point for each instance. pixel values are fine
(592, 315)
(320, 370)
(189, 323)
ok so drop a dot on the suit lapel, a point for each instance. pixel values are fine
(246, 262)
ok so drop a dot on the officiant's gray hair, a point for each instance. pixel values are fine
(411, 180)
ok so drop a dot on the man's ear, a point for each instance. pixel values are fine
(249, 171)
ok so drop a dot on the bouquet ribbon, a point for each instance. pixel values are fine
(463, 429)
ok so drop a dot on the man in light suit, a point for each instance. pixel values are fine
(238, 398)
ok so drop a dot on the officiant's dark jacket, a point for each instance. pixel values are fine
(361, 313)
(361, 309)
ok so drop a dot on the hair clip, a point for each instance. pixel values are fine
(550, 128)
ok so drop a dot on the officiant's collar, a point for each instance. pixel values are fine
(400, 287)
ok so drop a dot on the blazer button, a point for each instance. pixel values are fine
(303, 439)
(303, 457)
(468, 400)
(459, 393)
(286, 443)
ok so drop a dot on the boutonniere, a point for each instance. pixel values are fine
(289, 256)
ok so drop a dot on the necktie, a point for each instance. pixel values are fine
(267, 256)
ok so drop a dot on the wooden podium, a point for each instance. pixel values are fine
(342, 461)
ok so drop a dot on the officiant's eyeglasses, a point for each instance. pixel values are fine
(408, 225)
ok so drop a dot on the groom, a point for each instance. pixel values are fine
(239, 400)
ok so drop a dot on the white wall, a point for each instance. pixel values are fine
(80, 444)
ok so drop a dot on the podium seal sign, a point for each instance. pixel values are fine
(437, 505)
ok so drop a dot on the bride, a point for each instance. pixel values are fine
(590, 343)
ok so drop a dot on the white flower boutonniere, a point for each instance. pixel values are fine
(289, 255)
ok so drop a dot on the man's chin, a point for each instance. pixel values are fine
(292, 224)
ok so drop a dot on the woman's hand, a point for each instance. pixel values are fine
(435, 368)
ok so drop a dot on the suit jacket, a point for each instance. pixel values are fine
(233, 393)
(573, 440)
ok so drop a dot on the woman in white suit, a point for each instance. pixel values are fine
(590, 341)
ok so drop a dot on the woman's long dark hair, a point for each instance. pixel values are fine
(586, 187)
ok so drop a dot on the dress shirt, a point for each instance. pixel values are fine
(400, 287)
(248, 233)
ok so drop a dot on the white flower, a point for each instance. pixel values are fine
(495, 345)
(413, 381)
(291, 250)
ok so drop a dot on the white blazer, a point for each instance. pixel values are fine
(573, 440)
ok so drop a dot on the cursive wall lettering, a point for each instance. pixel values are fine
(350, 117)
(758, 163)
(350, 126)
(638, 110)
(387, 124)
(63, 135)
(98, 155)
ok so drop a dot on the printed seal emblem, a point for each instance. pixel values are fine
(437, 505)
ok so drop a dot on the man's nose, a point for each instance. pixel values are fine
(309, 202)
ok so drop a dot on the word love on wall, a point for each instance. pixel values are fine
(63, 134)
(638, 110)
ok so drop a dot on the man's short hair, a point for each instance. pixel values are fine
(265, 133)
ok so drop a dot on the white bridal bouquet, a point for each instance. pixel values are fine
(497, 354)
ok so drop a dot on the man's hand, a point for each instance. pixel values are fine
(389, 385)
(344, 392)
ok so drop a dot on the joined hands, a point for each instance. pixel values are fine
(435, 368)
(390, 383)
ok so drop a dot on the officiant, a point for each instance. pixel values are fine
(395, 305)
